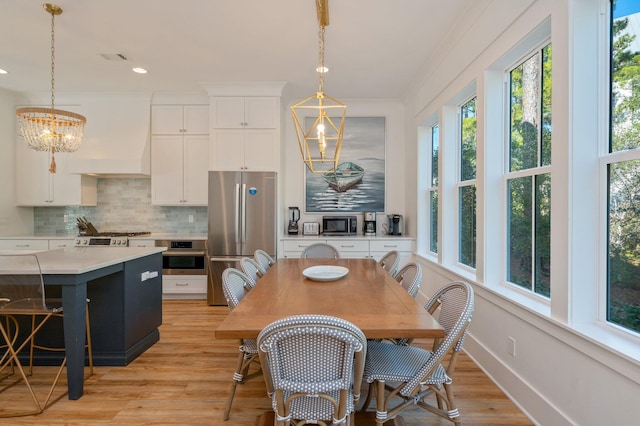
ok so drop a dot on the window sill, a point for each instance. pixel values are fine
(613, 348)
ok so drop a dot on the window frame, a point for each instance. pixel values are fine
(460, 184)
(431, 189)
(533, 172)
(608, 157)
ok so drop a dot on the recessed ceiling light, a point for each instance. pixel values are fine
(139, 70)
(3, 71)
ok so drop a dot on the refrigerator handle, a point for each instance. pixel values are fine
(237, 215)
(244, 213)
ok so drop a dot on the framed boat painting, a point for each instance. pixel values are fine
(358, 185)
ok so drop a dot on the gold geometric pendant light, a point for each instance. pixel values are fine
(320, 143)
(50, 129)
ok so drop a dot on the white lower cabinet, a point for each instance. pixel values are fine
(351, 249)
(141, 243)
(27, 245)
(356, 247)
(177, 286)
(379, 248)
(58, 244)
(294, 248)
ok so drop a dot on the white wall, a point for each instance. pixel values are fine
(13, 220)
(559, 376)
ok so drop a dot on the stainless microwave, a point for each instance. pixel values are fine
(339, 225)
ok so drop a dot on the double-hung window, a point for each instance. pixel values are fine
(623, 168)
(467, 185)
(528, 177)
(433, 190)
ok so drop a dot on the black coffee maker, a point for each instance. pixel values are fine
(294, 217)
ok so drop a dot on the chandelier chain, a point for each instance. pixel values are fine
(53, 56)
(321, 59)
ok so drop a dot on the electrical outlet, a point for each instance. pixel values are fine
(511, 346)
(190, 218)
(66, 218)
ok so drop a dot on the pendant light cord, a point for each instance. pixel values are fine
(321, 59)
(52, 166)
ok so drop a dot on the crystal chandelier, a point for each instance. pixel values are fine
(321, 142)
(50, 129)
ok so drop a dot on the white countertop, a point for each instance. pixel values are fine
(78, 260)
(349, 237)
(167, 236)
(152, 236)
(39, 237)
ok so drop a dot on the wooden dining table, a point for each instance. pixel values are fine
(367, 296)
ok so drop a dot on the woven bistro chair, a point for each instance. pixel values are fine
(320, 251)
(235, 286)
(23, 293)
(252, 270)
(263, 259)
(313, 367)
(238, 279)
(413, 374)
(410, 277)
(390, 262)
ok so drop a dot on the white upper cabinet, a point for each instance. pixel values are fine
(250, 150)
(35, 186)
(245, 133)
(180, 119)
(236, 112)
(179, 155)
(179, 170)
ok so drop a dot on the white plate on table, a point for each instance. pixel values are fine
(325, 272)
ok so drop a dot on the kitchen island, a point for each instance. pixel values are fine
(124, 286)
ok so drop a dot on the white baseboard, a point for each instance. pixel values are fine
(533, 405)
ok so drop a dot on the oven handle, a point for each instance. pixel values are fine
(183, 253)
(224, 259)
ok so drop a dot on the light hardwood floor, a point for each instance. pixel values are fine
(186, 376)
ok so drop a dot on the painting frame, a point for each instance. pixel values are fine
(364, 143)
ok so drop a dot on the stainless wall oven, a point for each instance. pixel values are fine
(183, 257)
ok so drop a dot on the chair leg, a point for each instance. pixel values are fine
(6, 360)
(367, 401)
(89, 347)
(47, 402)
(32, 344)
(14, 358)
(381, 403)
(53, 386)
(237, 378)
(454, 414)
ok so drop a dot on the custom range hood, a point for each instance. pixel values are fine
(116, 139)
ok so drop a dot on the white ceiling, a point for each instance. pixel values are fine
(374, 48)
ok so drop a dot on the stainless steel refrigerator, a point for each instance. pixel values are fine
(242, 219)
